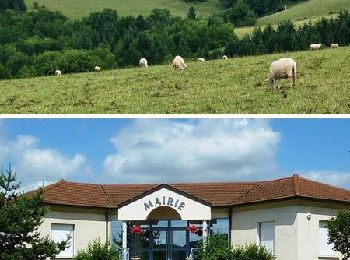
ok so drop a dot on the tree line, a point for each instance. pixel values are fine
(37, 43)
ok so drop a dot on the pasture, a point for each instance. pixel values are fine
(219, 86)
(312, 9)
(76, 9)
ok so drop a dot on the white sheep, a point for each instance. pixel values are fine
(97, 68)
(315, 46)
(143, 63)
(58, 73)
(179, 63)
(282, 69)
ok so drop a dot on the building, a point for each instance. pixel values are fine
(286, 215)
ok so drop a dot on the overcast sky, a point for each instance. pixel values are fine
(174, 150)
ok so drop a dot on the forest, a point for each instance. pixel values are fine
(37, 43)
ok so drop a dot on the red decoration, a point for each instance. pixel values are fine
(192, 229)
(195, 230)
(135, 229)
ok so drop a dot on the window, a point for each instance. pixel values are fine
(324, 248)
(220, 226)
(267, 236)
(60, 232)
(117, 233)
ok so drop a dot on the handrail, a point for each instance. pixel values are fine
(191, 255)
(124, 253)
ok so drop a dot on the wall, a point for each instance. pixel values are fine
(308, 231)
(89, 224)
(245, 228)
(296, 237)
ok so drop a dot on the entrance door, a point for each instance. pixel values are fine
(168, 244)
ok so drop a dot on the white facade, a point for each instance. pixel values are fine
(291, 228)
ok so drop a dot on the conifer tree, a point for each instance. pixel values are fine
(20, 217)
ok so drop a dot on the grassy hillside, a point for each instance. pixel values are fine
(78, 8)
(220, 86)
(312, 10)
(306, 10)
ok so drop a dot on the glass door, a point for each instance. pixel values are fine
(160, 244)
(178, 244)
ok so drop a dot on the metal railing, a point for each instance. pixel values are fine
(124, 253)
(192, 255)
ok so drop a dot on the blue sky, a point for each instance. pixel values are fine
(174, 150)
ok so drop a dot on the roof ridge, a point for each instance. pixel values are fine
(261, 184)
(325, 184)
(245, 194)
(296, 184)
(104, 192)
(50, 186)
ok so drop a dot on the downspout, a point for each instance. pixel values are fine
(230, 225)
(107, 230)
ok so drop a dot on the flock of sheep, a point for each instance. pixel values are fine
(284, 68)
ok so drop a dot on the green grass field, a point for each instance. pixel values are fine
(219, 86)
(307, 10)
(76, 9)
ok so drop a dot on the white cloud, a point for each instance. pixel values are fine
(35, 165)
(201, 150)
(340, 179)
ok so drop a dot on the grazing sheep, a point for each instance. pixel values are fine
(97, 68)
(282, 69)
(201, 59)
(143, 63)
(334, 45)
(225, 57)
(58, 73)
(179, 63)
(315, 46)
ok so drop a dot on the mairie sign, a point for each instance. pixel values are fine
(164, 201)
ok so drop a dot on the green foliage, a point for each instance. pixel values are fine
(20, 217)
(45, 41)
(12, 4)
(217, 247)
(339, 232)
(250, 252)
(191, 13)
(241, 14)
(98, 251)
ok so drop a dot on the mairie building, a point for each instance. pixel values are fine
(166, 221)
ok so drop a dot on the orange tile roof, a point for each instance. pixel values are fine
(217, 194)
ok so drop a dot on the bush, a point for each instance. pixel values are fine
(251, 252)
(98, 251)
(219, 248)
(339, 232)
(216, 248)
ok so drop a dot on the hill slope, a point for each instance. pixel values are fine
(76, 9)
(220, 86)
(306, 10)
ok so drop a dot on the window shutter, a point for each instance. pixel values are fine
(267, 236)
(325, 248)
(60, 232)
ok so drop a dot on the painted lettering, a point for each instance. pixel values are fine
(170, 201)
(177, 201)
(164, 201)
(158, 202)
(181, 206)
(147, 207)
